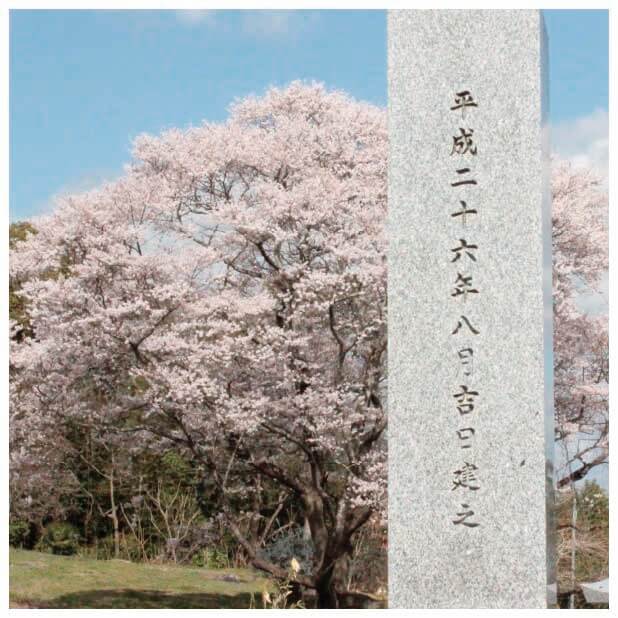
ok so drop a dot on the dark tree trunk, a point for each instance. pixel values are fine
(327, 594)
(296, 594)
(330, 581)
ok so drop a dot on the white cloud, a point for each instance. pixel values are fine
(584, 141)
(276, 23)
(258, 23)
(267, 23)
(194, 17)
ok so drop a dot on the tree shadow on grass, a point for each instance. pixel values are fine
(152, 599)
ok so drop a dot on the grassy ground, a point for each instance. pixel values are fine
(43, 580)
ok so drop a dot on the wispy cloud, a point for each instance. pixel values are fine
(584, 141)
(258, 24)
(270, 23)
(194, 17)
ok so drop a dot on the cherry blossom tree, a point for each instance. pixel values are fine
(581, 371)
(228, 295)
(227, 298)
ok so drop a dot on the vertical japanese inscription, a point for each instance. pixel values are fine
(463, 257)
(470, 361)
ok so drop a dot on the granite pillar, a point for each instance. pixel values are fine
(470, 328)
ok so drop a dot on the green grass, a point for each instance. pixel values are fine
(44, 580)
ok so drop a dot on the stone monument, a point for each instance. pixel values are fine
(470, 314)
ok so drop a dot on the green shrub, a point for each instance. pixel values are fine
(19, 533)
(60, 538)
(199, 558)
(211, 558)
(103, 548)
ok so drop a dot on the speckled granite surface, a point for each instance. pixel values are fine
(470, 361)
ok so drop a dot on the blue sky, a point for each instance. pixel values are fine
(83, 84)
